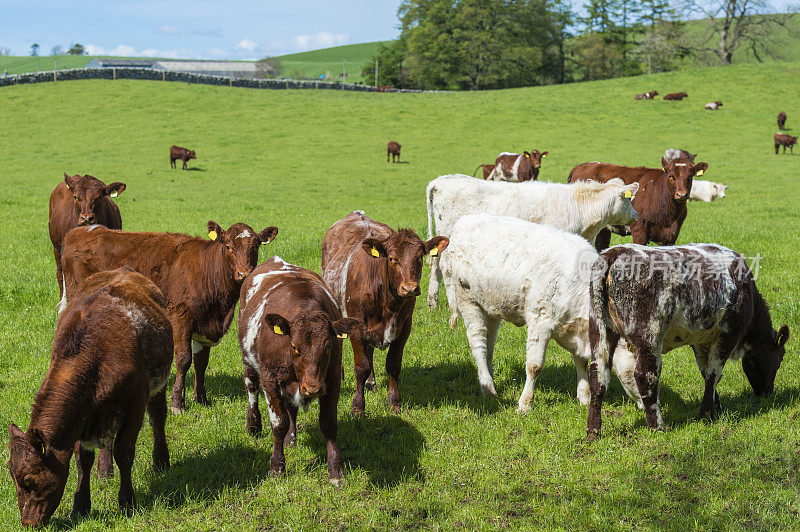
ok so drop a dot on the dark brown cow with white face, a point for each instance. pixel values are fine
(787, 141)
(517, 166)
(199, 277)
(373, 272)
(81, 200)
(290, 331)
(393, 149)
(660, 200)
(176, 152)
(110, 362)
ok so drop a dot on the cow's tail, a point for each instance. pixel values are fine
(569, 178)
(599, 317)
(474, 174)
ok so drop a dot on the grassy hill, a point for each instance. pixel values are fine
(329, 61)
(452, 459)
(26, 63)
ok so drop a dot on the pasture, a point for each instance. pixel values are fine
(301, 160)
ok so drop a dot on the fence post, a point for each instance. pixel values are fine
(114, 74)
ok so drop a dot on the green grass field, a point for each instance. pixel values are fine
(302, 160)
(329, 61)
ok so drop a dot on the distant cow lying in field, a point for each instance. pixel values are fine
(781, 120)
(676, 96)
(200, 279)
(111, 358)
(517, 166)
(582, 209)
(787, 141)
(176, 152)
(713, 106)
(81, 200)
(672, 154)
(487, 170)
(657, 299)
(646, 95)
(706, 191)
(393, 149)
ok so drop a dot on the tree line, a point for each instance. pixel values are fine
(491, 44)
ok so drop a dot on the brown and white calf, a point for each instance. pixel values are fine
(781, 120)
(787, 141)
(374, 273)
(658, 298)
(393, 149)
(110, 362)
(81, 200)
(517, 166)
(176, 152)
(199, 277)
(713, 106)
(646, 95)
(290, 331)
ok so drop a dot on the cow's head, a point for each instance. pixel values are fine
(38, 476)
(311, 338)
(761, 363)
(191, 155)
(403, 252)
(654, 93)
(719, 190)
(623, 210)
(536, 158)
(87, 194)
(680, 173)
(240, 245)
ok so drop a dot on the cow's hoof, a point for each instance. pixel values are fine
(277, 471)
(592, 435)
(289, 440)
(488, 391)
(202, 400)
(526, 409)
(177, 409)
(337, 482)
(254, 430)
(395, 408)
(369, 384)
(81, 506)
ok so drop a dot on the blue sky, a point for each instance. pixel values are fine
(232, 29)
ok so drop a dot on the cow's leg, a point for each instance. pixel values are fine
(640, 234)
(476, 321)
(711, 362)
(603, 239)
(624, 365)
(182, 339)
(433, 283)
(82, 503)
(599, 377)
(253, 388)
(157, 416)
(200, 365)
(291, 434)
(394, 361)
(124, 452)
(59, 273)
(387, 155)
(492, 326)
(184, 164)
(362, 360)
(647, 374)
(536, 348)
(581, 370)
(105, 461)
(279, 419)
(328, 425)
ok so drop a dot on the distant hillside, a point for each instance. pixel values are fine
(329, 61)
(27, 63)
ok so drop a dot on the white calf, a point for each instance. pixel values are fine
(706, 190)
(500, 268)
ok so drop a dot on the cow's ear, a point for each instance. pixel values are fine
(664, 164)
(629, 191)
(374, 247)
(783, 335)
(700, 168)
(115, 189)
(15, 434)
(36, 439)
(215, 232)
(527, 154)
(545, 153)
(69, 180)
(277, 324)
(346, 327)
(436, 245)
(268, 234)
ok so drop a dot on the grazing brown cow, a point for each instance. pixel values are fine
(646, 95)
(660, 201)
(784, 140)
(517, 166)
(110, 362)
(676, 96)
(393, 149)
(487, 170)
(374, 272)
(713, 106)
(781, 120)
(176, 152)
(290, 331)
(200, 279)
(81, 200)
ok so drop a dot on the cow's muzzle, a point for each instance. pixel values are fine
(408, 290)
(86, 219)
(311, 391)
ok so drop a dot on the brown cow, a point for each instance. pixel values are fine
(646, 95)
(81, 200)
(200, 278)
(110, 362)
(393, 149)
(374, 272)
(176, 152)
(784, 140)
(517, 166)
(676, 96)
(289, 331)
(487, 170)
(781, 120)
(660, 201)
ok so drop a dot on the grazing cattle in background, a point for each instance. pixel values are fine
(672, 154)
(393, 149)
(500, 268)
(81, 200)
(517, 166)
(200, 279)
(176, 152)
(713, 106)
(702, 295)
(661, 201)
(706, 191)
(374, 273)
(582, 209)
(646, 95)
(785, 141)
(676, 96)
(289, 331)
(487, 170)
(110, 362)
(781, 120)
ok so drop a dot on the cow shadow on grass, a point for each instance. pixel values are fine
(224, 385)
(451, 383)
(195, 169)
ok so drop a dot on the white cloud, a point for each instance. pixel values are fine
(322, 39)
(168, 30)
(247, 45)
(123, 50)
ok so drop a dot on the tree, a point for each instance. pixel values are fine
(56, 50)
(35, 49)
(662, 47)
(269, 67)
(76, 49)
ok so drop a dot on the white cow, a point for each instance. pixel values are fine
(501, 268)
(582, 208)
(706, 190)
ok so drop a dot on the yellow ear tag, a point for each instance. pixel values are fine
(434, 252)
(544, 155)
(526, 155)
(375, 253)
(212, 235)
(277, 329)
(114, 194)
(342, 336)
(700, 172)
(628, 193)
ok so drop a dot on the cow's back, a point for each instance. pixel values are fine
(604, 172)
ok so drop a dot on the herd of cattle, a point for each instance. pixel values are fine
(506, 247)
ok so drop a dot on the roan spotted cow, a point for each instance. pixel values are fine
(374, 273)
(517, 166)
(176, 152)
(81, 200)
(110, 362)
(290, 331)
(500, 268)
(787, 141)
(713, 106)
(659, 298)
(583, 208)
